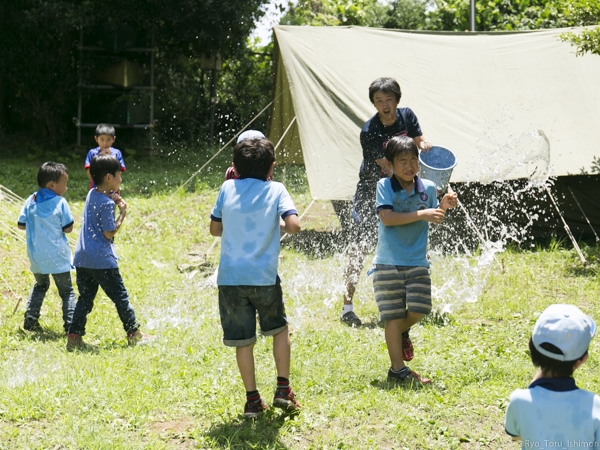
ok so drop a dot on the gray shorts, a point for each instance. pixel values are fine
(238, 306)
(401, 288)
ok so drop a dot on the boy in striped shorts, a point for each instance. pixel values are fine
(405, 205)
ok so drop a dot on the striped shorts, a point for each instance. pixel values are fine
(401, 288)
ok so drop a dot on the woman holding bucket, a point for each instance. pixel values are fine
(389, 121)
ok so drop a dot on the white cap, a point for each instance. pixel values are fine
(565, 327)
(250, 134)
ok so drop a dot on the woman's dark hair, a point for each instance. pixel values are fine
(253, 158)
(102, 165)
(559, 369)
(51, 171)
(386, 85)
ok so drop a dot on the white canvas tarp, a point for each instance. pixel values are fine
(481, 95)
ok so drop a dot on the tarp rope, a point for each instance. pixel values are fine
(228, 142)
(584, 215)
(566, 227)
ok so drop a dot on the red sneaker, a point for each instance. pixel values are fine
(254, 409)
(408, 352)
(286, 400)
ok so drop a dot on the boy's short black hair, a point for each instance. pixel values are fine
(398, 145)
(253, 158)
(105, 128)
(386, 85)
(559, 369)
(101, 165)
(50, 171)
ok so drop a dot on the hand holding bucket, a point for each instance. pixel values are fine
(436, 165)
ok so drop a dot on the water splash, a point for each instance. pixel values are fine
(526, 155)
(494, 212)
(27, 367)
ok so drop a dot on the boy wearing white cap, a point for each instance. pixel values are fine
(553, 412)
(248, 134)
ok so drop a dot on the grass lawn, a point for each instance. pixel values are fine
(184, 390)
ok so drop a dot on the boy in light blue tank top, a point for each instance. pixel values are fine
(405, 205)
(249, 213)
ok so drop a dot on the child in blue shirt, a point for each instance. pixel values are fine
(405, 205)
(553, 412)
(248, 214)
(105, 137)
(95, 258)
(46, 218)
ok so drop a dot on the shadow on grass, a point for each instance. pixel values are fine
(390, 386)
(240, 433)
(43, 335)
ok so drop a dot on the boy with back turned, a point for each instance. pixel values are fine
(248, 215)
(553, 412)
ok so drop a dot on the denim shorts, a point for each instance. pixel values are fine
(401, 288)
(238, 306)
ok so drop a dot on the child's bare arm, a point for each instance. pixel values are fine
(216, 228)
(87, 170)
(122, 213)
(292, 224)
(391, 218)
(21, 226)
(422, 143)
(450, 200)
(68, 229)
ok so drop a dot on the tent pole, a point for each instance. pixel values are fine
(472, 16)
(285, 132)
(567, 229)
(281, 140)
(584, 215)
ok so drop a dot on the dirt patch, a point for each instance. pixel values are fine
(176, 433)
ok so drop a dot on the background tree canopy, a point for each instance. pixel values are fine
(39, 71)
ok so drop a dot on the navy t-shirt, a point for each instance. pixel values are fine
(373, 139)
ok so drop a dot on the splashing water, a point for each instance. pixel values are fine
(493, 213)
(27, 367)
(526, 155)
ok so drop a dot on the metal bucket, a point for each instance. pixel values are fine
(436, 165)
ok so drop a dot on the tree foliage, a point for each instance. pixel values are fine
(335, 13)
(584, 12)
(39, 38)
(496, 15)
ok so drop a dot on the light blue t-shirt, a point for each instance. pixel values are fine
(45, 216)
(250, 210)
(404, 245)
(93, 250)
(554, 414)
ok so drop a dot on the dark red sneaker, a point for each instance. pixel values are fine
(254, 409)
(408, 352)
(286, 400)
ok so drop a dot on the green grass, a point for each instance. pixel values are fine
(184, 390)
